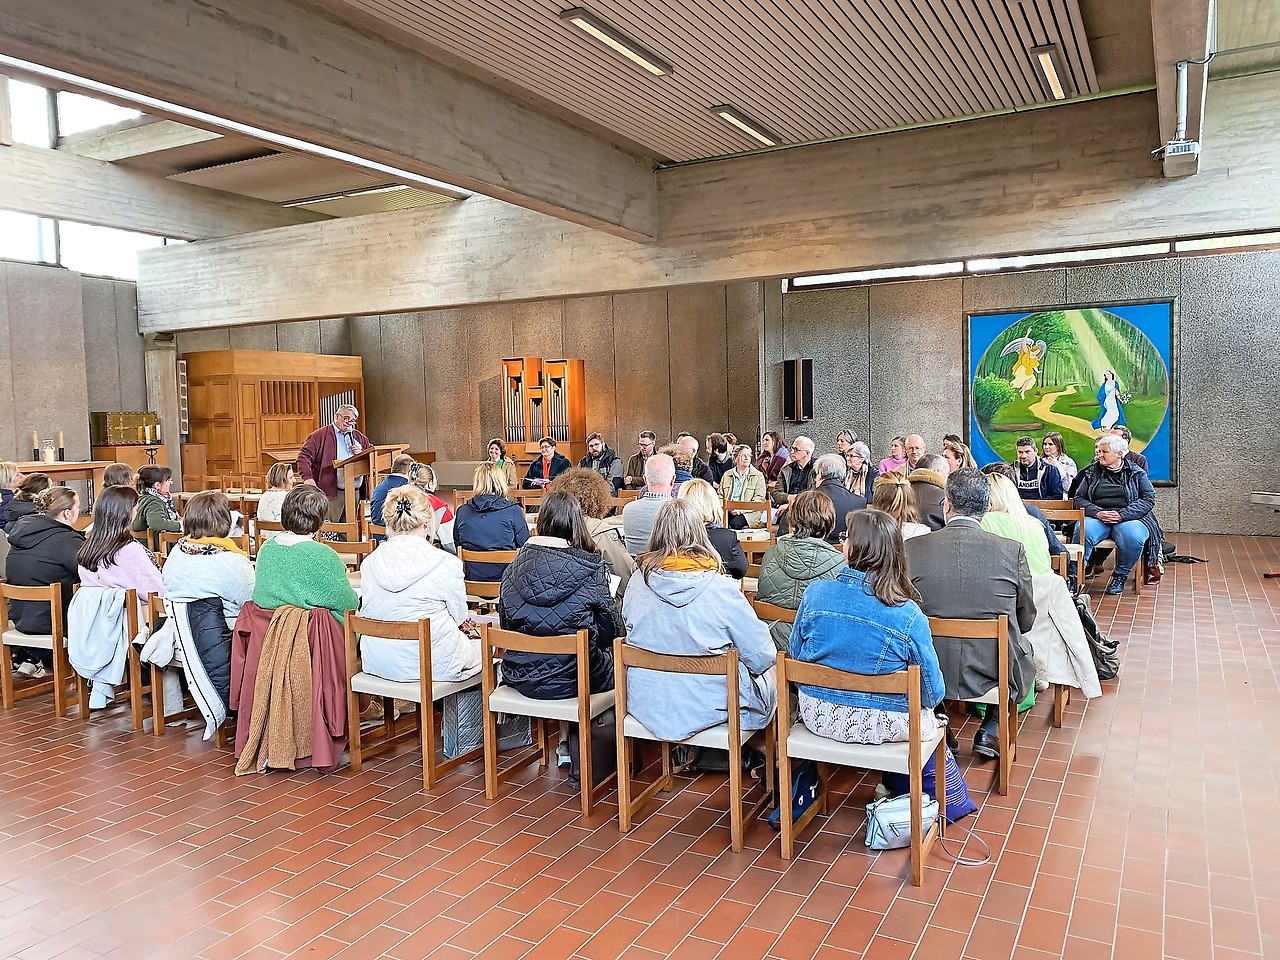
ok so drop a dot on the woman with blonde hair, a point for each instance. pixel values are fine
(897, 458)
(408, 578)
(680, 604)
(489, 521)
(744, 483)
(703, 496)
(957, 455)
(280, 480)
(10, 476)
(893, 494)
(1057, 638)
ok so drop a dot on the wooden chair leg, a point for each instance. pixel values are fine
(157, 701)
(1005, 765)
(63, 676)
(788, 827)
(427, 737)
(586, 778)
(625, 753)
(6, 678)
(736, 799)
(1061, 697)
(916, 783)
(135, 687)
(491, 753)
(353, 729)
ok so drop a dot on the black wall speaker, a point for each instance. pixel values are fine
(797, 390)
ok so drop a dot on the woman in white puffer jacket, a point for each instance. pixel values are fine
(408, 578)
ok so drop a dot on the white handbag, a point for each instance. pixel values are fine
(889, 821)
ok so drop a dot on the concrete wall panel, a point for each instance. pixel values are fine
(588, 332)
(699, 359)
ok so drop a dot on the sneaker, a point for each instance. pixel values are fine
(26, 669)
(562, 755)
(1041, 685)
(40, 672)
(1116, 586)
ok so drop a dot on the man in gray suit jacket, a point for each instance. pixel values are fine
(963, 572)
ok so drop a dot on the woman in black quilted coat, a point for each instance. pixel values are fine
(558, 584)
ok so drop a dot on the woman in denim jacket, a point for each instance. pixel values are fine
(866, 621)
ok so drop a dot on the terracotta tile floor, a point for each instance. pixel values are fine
(115, 844)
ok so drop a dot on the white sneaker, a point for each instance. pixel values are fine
(40, 671)
(562, 755)
(1041, 685)
(26, 669)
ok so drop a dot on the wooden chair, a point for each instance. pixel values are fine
(530, 498)
(582, 709)
(751, 582)
(155, 613)
(332, 532)
(82, 522)
(54, 641)
(140, 680)
(167, 541)
(484, 592)
(460, 497)
(752, 506)
(997, 698)
(424, 693)
(772, 613)
(625, 495)
(795, 741)
(372, 529)
(262, 531)
(354, 552)
(727, 736)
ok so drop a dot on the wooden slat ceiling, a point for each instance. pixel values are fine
(806, 69)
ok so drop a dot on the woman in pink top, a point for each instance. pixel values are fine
(111, 557)
(897, 457)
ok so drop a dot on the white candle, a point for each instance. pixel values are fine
(148, 433)
(61, 445)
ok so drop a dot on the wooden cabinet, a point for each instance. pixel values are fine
(135, 455)
(253, 407)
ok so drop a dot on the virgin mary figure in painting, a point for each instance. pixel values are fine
(1110, 409)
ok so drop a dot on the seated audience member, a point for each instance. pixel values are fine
(725, 541)
(111, 557)
(603, 460)
(423, 476)
(498, 454)
(719, 457)
(828, 478)
(558, 584)
(1055, 453)
(678, 603)
(23, 503)
(1057, 638)
(592, 492)
(42, 551)
(860, 476)
(639, 514)
(799, 558)
(547, 467)
(866, 621)
(915, 451)
(280, 480)
(744, 483)
(895, 495)
(206, 562)
(118, 475)
(683, 463)
(897, 458)
(845, 440)
(407, 578)
(156, 511)
(929, 480)
(1037, 479)
(773, 457)
(999, 468)
(1137, 459)
(489, 521)
(797, 475)
(957, 455)
(1119, 504)
(963, 572)
(401, 467)
(10, 476)
(698, 469)
(648, 445)
(296, 570)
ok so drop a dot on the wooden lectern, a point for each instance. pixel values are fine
(372, 462)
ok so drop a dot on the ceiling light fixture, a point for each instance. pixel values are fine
(154, 104)
(345, 194)
(615, 40)
(736, 118)
(1049, 59)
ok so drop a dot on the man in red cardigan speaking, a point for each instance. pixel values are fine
(337, 441)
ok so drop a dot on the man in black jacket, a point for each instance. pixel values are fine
(828, 473)
(603, 460)
(698, 466)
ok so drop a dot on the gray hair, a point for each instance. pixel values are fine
(659, 470)
(1113, 443)
(969, 492)
(739, 448)
(347, 406)
(802, 441)
(860, 449)
(830, 466)
(931, 461)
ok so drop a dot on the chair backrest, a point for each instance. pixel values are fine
(372, 529)
(168, 539)
(349, 530)
(1069, 514)
(996, 629)
(487, 589)
(769, 612)
(495, 641)
(530, 498)
(52, 594)
(627, 656)
(262, 529)
(153, 611)
(462, 496)
(626, 495)
(1052, 504)
(353, 625)
(751, 506)
(354, 552)
(82, 522)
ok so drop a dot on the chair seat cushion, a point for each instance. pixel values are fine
(1074, 549)
(716, 737)
(37, 641)
(408, 690)
(802, 743)
(506, 700)
(991, 696)
(1106, 543)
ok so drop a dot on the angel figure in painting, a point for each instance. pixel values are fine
(1110, 403)
(1029, 356)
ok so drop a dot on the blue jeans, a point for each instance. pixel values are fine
(1130, 537)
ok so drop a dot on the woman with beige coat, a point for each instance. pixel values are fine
(743, 482)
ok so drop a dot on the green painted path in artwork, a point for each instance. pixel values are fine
(1042, 410)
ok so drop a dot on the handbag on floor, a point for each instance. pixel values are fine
(889, 821)
(805, 790)
(463, 726)
(604, 748)
(1103, 650)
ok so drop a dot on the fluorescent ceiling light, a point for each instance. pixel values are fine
(154, 104)
(343, 194)
(615, 40)
(886, 273)
(985, 264)
(736, 118)
(1223, 243)
(1047, 59)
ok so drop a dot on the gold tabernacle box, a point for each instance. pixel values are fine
(118, 428)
